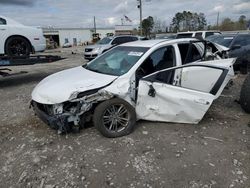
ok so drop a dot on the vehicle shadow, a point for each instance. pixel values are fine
(25, 78)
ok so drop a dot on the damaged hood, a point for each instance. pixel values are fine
(59, 87)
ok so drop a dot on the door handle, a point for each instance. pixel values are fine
(202, 101)
(2, 29)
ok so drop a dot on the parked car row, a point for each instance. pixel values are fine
(92, 51)
(238, 44)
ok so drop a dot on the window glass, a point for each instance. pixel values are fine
(224, 40)
(117, 61)
(105, 40)
(118, 40)
(125, 39)
(184, 35)
(242, 40)
(198, 35)
(162, 58)
(129, 39)
(209, 34)
(134, 38)
(2, 21)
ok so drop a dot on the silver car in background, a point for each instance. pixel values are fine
(92, 51)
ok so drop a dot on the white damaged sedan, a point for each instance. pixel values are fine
(156, 80)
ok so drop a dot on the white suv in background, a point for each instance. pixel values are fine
(19, 40)
(92, 51)
(197, 34)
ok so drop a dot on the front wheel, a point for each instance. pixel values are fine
(114, 118)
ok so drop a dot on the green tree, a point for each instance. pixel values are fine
(227, 25)
(147, 26)
(188, 21)
(242, 23)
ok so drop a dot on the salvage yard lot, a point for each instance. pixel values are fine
(214, 153)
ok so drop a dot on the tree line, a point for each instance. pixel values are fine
(191, 21)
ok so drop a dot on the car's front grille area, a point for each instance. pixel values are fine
(88, 49)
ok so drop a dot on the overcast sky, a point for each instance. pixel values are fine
(80, 13)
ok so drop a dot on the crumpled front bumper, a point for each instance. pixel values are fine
(58, 122)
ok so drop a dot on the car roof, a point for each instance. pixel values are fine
(117, 36)
(229, 35)
(187, 32)
(113, 37)
(151, 43)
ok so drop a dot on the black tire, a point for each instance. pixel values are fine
(120, 123)
(17, 47)
(245, 95)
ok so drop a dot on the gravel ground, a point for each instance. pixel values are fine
(215, 153)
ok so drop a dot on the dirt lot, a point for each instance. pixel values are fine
(214, 153)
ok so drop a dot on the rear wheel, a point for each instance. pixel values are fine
(245, 95)
(18, 46)
(114, 118)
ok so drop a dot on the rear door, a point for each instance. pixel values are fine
(183, 98)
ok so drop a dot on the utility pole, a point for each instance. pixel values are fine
(140, 7)
(94, 25)
(218, 16)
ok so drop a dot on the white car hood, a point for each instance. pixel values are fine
(58, 87)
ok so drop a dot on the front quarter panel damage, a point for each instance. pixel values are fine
(71, 114)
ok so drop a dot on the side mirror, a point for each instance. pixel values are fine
(234, 47)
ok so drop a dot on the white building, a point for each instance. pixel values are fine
(124, 30)
(74, 36)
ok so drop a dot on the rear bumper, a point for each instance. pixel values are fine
(39, 45)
